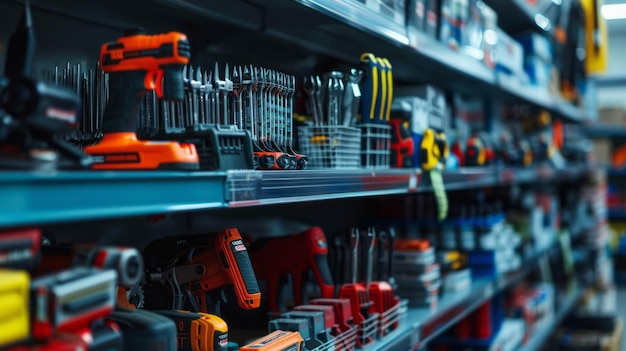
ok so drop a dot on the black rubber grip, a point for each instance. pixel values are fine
(322, 264)
(245, 270)
(173, 87)
(126, 92)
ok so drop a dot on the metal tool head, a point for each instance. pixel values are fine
(308, 85)
(216, 73)
(226, 72)
(246, 75)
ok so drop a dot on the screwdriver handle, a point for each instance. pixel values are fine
(126, 92)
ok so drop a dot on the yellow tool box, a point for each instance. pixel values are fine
(14, 319)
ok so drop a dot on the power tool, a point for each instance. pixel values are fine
(475, 152)
(145, 330)
(19, 248)
(198, 266)
(198, 331)
(402, 146)
(138, 63)
(37, 112)
(279, 340)
(295, 255)
(70, 300)
(430, 152)
(126, 261)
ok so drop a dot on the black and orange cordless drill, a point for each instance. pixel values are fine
(138, 63)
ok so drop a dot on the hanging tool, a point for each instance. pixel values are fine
(191, 266)
(381, 293)
(430, 153)
(138, 63)
(402, 145)
(197, 331)
(333, 91)
(38, 112)
(388, 94)
(295, 255)
(351, 97)
(358, 293)
(373, 90)
(263, 109)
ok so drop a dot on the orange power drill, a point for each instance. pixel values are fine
(196, 265)
(138, 63)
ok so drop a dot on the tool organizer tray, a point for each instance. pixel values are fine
(346, 341)
(392, 318)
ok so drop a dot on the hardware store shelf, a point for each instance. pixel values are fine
(515, 15)
(31, 198)
(567, 304)
(422, 325)
(358, 29)
(248, 188)
(251, 188)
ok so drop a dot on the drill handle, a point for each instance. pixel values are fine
(126, 92)
(173, 85)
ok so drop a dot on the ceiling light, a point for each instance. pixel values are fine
(614, 11)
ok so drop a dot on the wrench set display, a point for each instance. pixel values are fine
(350, 114)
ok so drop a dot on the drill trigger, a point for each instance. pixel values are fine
(223, 295)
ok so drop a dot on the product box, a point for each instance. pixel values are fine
(601, 151)
(454, 17)
(472, 40)
(433, 18)
(612, 115)
(416, 15)
(539, 71)
(490, 24)
(414, 110)
(536, 45)
(509, 54)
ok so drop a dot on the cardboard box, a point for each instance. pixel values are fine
(601, 152)
(509, 54)
(612, 115)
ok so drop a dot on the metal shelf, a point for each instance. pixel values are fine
(35, 198)
(248, 188)
(515, 15)
(359, 16)
(605, 131)
(540, 338)
(32, 198)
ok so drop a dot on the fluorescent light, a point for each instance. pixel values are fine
(614, 11)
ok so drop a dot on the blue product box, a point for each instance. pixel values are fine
(535, 44)
(538, 71)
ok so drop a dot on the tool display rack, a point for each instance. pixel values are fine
(277, 33)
